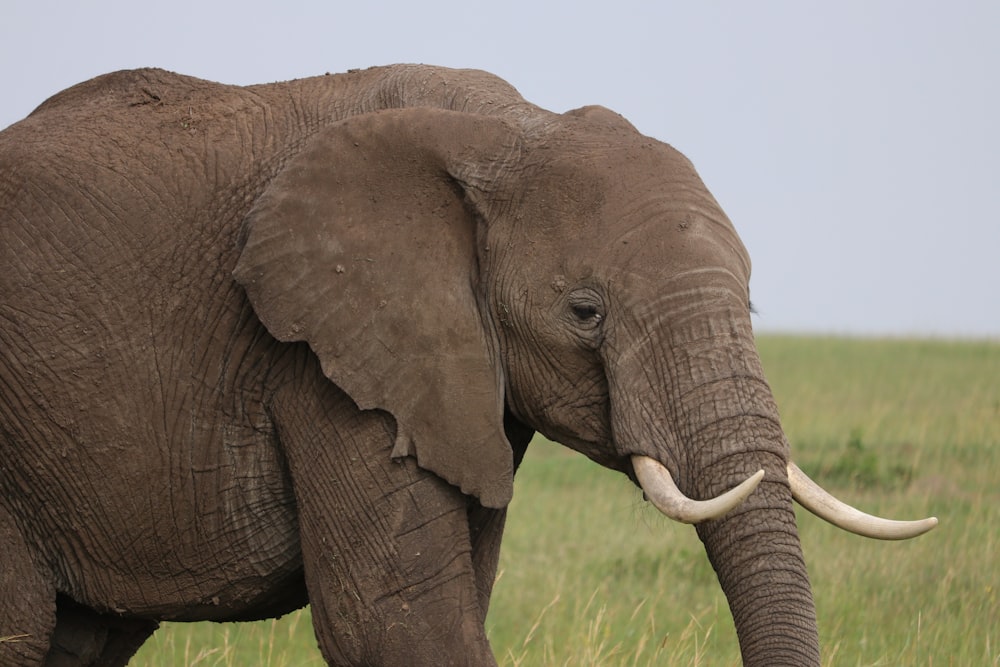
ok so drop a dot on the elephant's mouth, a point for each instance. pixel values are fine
(659, 488)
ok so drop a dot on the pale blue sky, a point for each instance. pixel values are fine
(855, 145)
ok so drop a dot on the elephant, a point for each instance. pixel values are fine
(286, 344)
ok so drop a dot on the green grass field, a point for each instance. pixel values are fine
(590, 575)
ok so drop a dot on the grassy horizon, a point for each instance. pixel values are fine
(590, 575)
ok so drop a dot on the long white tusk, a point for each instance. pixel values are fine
(814, 498)
(663, 493)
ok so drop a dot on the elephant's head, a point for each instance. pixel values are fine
(445, 266)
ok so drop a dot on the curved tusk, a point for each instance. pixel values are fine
(814, 498)
(659, 487)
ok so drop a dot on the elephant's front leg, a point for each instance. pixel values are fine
(386, 545)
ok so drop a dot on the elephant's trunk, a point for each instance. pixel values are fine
(756, 553)
(709, 417)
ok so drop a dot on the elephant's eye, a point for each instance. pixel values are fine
(586, 312)
(586, 309)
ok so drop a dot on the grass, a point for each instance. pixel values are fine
(590, 575)
(285, 642)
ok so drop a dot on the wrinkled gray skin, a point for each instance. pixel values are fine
(286, 343)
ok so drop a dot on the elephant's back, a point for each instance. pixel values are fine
(111, 208)
(132, 185)
(121, 202)
(133, 87)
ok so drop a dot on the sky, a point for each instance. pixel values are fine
(855, 145)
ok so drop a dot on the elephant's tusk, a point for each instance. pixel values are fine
(814, 498)
(661, 490)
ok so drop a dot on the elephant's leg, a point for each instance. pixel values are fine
(85, 638)
(28, 607)
(486, 530)
(386, 545)
(486, 525)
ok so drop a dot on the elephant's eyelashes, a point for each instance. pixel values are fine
(587, 313)
(586, 308)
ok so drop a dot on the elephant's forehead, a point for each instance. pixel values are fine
(632, 212)
(654, 254)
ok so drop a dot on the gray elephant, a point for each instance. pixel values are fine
(287, 344)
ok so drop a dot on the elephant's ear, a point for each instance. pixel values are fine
(365, 245)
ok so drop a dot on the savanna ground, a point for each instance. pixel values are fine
(590, 575)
